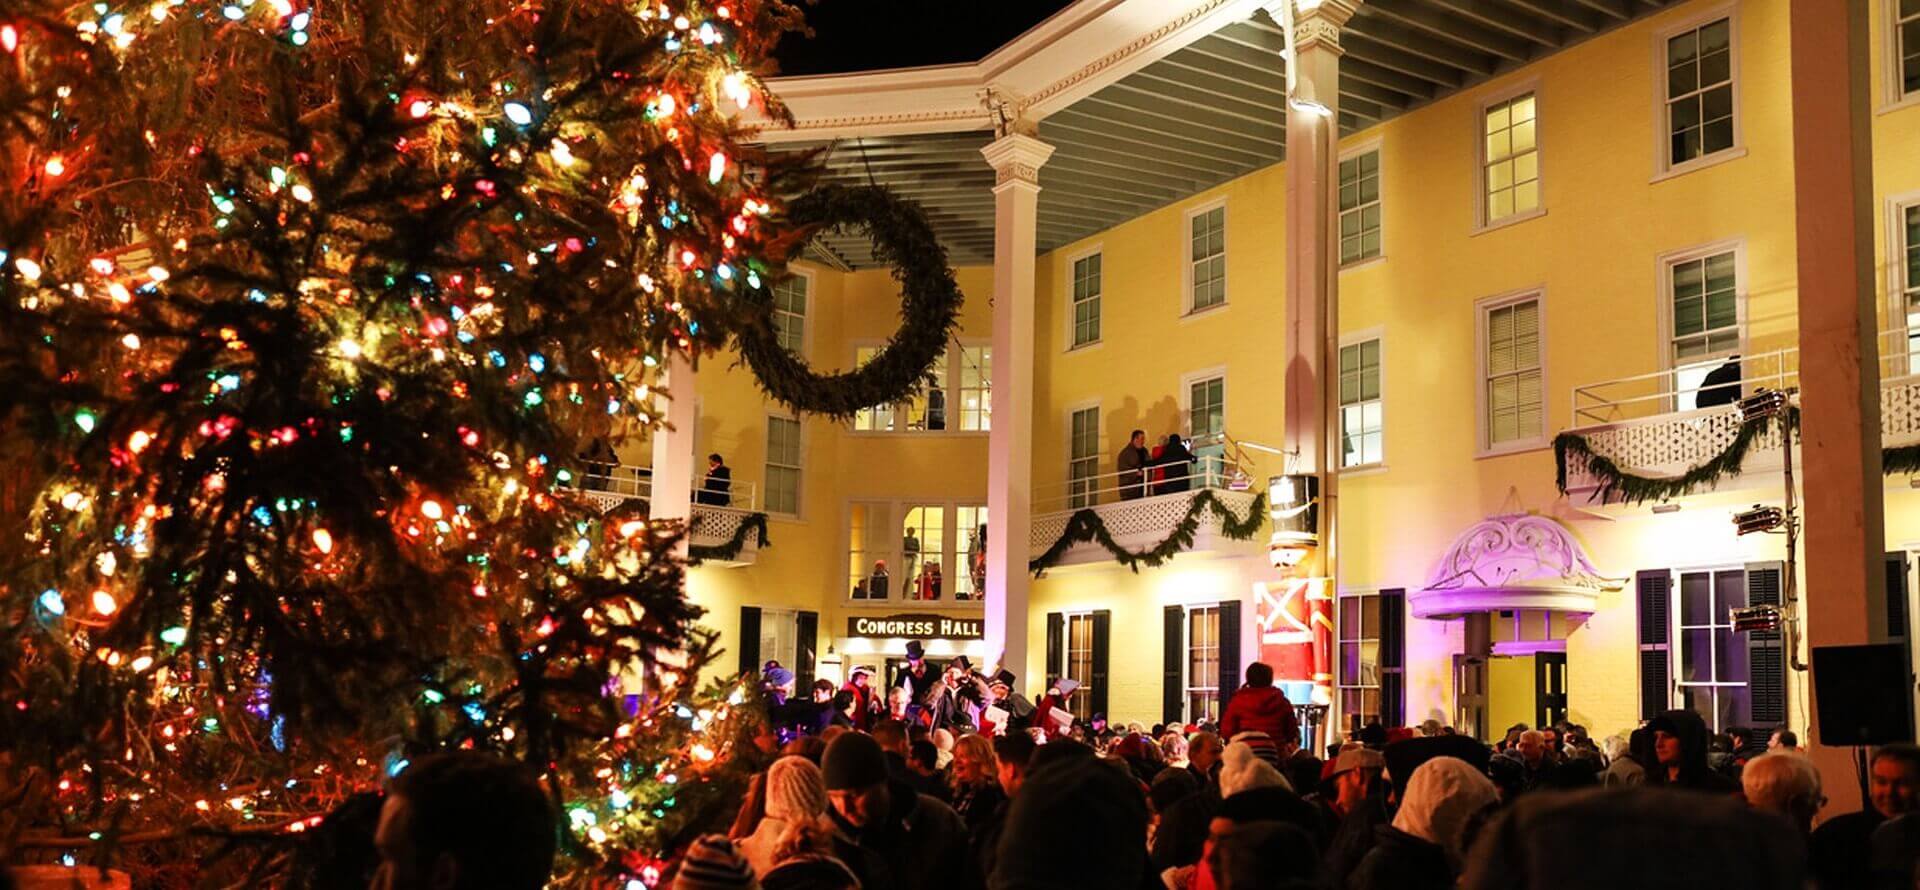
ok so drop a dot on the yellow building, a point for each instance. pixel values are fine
(1547, 218)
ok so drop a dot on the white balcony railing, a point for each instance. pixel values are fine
(637, 483)
(715, 518)
(1140, 514)
(1212, 471)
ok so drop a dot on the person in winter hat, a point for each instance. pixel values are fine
(713, 863)
(890, 835)
(795, 793)
(1425, 846)
(1241, 769)
(1680, 740)
(1261, 707)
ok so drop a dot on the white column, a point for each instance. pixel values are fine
(672, 496)
(1016, 159)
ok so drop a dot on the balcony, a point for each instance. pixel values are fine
(1650, 425)
(714, 525)
(1142, 522)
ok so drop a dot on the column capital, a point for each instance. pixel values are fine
(1316, 23)
(1016, 158)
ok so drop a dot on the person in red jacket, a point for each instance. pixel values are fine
(1261, 706)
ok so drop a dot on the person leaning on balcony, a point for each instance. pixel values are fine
(1132, 464)
(1176, 465)
(717, 489)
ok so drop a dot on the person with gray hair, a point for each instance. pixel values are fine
(1785, 784)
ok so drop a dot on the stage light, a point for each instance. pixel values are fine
(1759, 519)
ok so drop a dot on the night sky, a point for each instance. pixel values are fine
(866, 35)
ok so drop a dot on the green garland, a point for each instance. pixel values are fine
(902, 238)
(757, 522)
(1632, 489)
(1086, 525)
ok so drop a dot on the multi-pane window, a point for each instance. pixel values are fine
(1360, 207)
(870, 557)
(1704, 299)
(1207, 259)
(783, 465)
(1086, 300)
(790, 313)
(1515, 402)
(1700, 92)
(779, 636)
(960, 395)
(1203, 664)
(1083, 460)
(1207, 407)
(1358, 629)
(923, 547)
(1361, 437)
(1079, 649)
(1910, 282)
(969, 577)
(1512, 174)
(1906, 43)
(1711, 666)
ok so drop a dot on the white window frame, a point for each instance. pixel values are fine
(800, 468)
(1187, 381)
(1186, 258)
(787, 651)
(1897, 283)
(1663, 167)
(1514, 91)
(1664, 270)
(1074, 501)
(1083, 694)
(1893, 95)
(806, 312)
(1676, 649)
(1367, 146)
(894, 526)
(1480, 311)
(1340, 684)
(1070, 304)
(955, 361)
(1211, 684)
(1355, 339)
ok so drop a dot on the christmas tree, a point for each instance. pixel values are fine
(307, 310)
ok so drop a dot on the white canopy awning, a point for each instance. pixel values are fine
(1512, 562)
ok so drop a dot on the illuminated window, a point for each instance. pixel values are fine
(960, 396)
(975, 395)
(1359, 654)
(1361, 436)
(1360, 207)
(870, 559)
(1511, 175)
(1906, 43)
(1079, 649)
(923, 547)
(1908, 264)
(1513, 388)
(1711, 668)
(790, 313)
(969, 578)
(1699, 105)
(1086, 300)
(1703, 301)
(1207, 407)
(1203, 664)
(1207, 259)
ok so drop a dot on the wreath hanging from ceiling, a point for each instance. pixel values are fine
(903, 239)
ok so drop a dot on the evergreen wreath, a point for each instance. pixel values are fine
(757, 522)
(1634, 489)
(1086, 525)
(903, 239)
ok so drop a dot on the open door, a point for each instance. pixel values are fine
(1549, 688)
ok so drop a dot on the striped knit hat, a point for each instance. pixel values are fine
(713, 863)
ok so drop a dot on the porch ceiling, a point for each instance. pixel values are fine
(1206, 113)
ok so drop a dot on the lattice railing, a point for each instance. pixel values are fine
(711, 525)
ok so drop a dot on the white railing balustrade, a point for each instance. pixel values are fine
(629, 482)
(1212, 471)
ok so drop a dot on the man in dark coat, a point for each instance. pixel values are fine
(894, 837)
(1842, 846)
(1176, 465)
(717, 489)
(1075, 822)
(1132, 463)
(1680, 749)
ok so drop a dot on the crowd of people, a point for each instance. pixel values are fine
(950, 780)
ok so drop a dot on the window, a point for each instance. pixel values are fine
(1361, 438)
(1083, 458)
(1206, 407)
(1711, 668)
(783, 465)
(1699, 106)
(1907, 228)
(959, 397)
(1906, 48)
(923, 547)
(1513, 397)
(871, 551)
(1703, 302)
(1080, 662)
(1360, 207)
(1086, 300)
(1359, 650)
(1207, 260)
(1511, 176)
(790, 313)
(969, 579)
(1203, 664)
(779, 637)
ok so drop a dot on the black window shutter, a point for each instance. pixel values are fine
(1897, 595)
(750, 639)
(1766, 655)
(1173, 672)
(1101, 620)
(1229, 654)
(1056, 658)
(1653, 592)
(1393, 657)
(806, 633)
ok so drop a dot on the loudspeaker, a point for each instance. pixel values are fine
(1864, 694)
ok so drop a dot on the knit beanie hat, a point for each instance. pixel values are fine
(795, 790)
(854, 760)
(713, 863)
(1243, 770)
